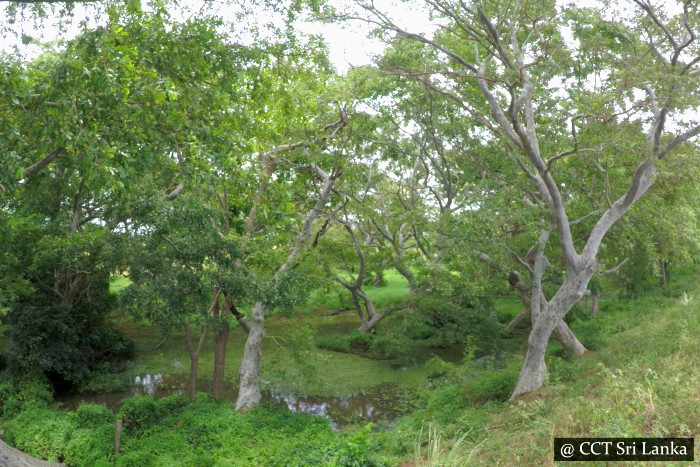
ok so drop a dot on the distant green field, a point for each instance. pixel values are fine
(118, 283)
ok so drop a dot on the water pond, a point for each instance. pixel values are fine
(381, 404)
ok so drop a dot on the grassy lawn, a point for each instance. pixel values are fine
(642, 379)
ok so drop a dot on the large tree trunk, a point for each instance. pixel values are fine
(548, 315)
(534, 369)
(249, 390)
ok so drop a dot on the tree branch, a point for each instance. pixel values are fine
(31, 170)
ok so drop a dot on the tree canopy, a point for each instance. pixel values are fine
(211, 162)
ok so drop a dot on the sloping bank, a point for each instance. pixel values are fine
(641, 379)
(14, 457)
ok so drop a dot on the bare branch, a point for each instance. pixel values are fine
(616, 268)
(522, 262)
(581, 219)
(176, 191)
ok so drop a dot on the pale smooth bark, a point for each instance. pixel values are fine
(249, 373)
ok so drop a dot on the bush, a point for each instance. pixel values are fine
(41, 432)
(139, 414)
(491, 386)
(92, 416)
(64, 345)
(337, 343)
(454, 321)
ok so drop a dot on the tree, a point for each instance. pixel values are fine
(177, 262)
(499, 64)
(87, 129)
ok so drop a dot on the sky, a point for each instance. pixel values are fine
(349, 45)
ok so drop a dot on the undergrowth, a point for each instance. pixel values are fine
(174, 431)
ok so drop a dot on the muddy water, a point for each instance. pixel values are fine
(381, 403)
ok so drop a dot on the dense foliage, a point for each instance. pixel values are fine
(519, 170)
(174, 431)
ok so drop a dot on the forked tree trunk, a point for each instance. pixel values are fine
(369, 324)
(562, 333)
(546, 316)
(372, 317)
(249, 373)
(249, 390)
(369, 316)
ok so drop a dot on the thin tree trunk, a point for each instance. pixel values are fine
(564, 335)
(373, 318)
(594, 304)
(249, 374)
(249, 390)
(194, 359)
(518, 319)
(406, 272)
(220, 343)
(378, 279)
(662, 272)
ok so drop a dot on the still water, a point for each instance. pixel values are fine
(383, 403)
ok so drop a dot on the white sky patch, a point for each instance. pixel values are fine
(349, 44)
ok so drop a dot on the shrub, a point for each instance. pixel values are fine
(335, 342)
(92, 416)
(41, 432)
(64, 345)
(491, 386)
(139, 414)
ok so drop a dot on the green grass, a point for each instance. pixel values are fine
(118, 283)
(642, 381)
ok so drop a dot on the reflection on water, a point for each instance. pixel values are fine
(356, 406)
(383, 402)
(148, 383)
